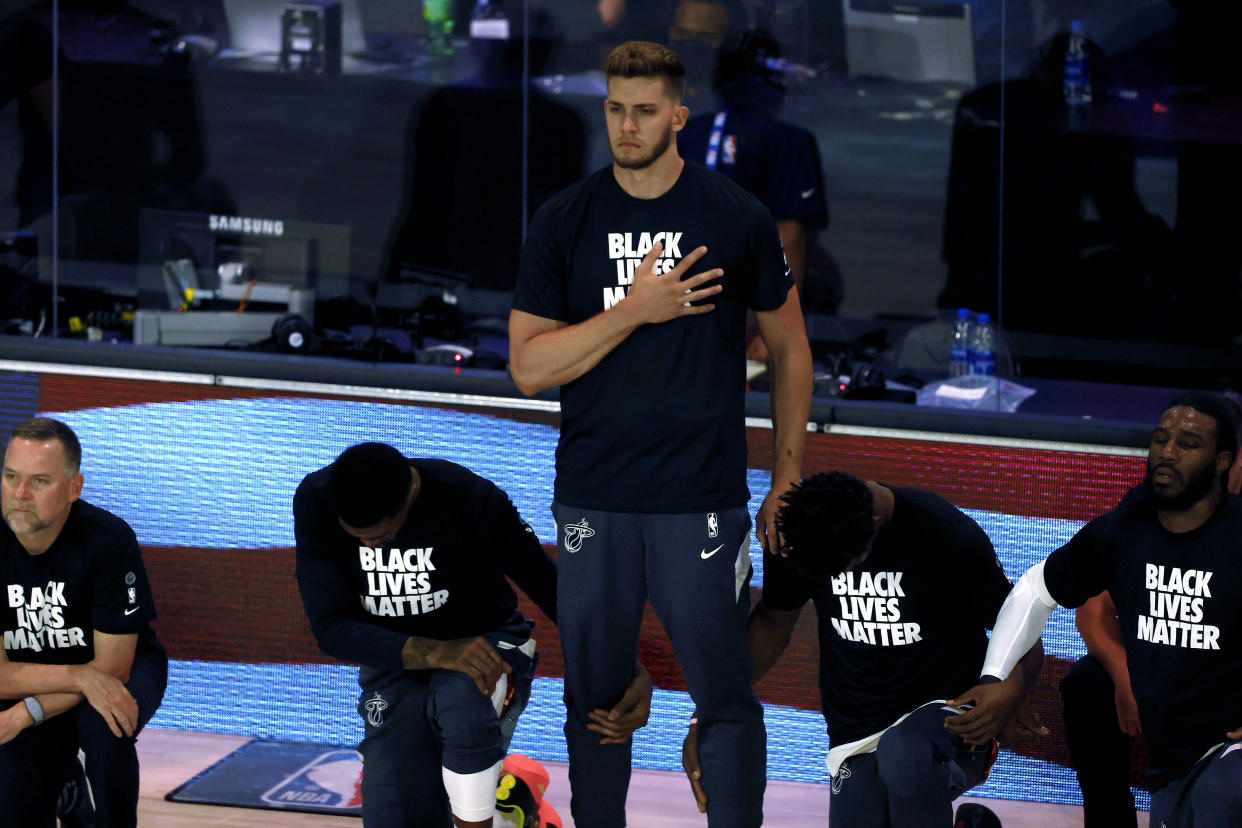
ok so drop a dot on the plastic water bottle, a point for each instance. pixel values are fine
(982, 344)
(438, 15)
(1077, 87)
(959, 344)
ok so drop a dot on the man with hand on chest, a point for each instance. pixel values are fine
(76, 625)
(632, 298)
(402, 566)
(905, 587)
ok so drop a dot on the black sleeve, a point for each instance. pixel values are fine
(336, 619)
(518, 549)
(543, 272)
(1081, 569)
(784, 589)
(771, 276)
(116, 569)
(794, 184)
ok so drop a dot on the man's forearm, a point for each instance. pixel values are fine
(18, 679)
(1101, 632)
(430, 653)
(790, 402)
(767, 637)
(1032, 664)
(556, 357)
(56, 703)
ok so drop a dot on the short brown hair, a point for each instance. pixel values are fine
(43, 429)
(641, 59)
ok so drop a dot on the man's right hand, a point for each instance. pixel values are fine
(109, 696)
(475, 657)
(658, 298)
(694, 770)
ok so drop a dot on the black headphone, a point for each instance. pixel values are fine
(744, 54)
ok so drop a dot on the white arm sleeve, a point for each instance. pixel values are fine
(1021, 620)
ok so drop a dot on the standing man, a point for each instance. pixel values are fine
(402, 566)
(632, 297)
(1169, 559)
(76, 623)
(905, 587)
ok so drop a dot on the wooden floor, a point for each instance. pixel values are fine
(657, 799)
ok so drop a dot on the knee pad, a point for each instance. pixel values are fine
(472, 795)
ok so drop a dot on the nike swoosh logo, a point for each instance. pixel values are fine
(131, 610)
(705, 554)
(808, 193)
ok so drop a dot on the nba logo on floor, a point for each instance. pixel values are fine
(333, 780)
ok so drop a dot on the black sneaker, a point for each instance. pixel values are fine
(974, 815)
(76, 804)
(516, 806)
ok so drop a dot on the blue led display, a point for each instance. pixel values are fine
(220, 474)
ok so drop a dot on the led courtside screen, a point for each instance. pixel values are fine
(205, 474)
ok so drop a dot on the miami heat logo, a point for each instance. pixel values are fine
(843, 773)
(375, 709)
(575, 533)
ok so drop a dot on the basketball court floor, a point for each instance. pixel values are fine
(657, 799)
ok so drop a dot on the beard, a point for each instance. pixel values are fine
(24, 521)
(644, 161)
(1194, 490)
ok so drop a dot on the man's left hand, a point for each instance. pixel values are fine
(629, 714)
(766, 533)
(994, 706)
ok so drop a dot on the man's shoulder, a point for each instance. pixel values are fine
(1231, 508)
(582, 190)
(725, 192)
(450, 475)
(313, 485)
(93, 521)
(444, 470)
(934, 513)
(924, 502)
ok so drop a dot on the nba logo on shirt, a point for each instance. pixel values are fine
(332, 780)
(133, 594)
(728, 149)
(713, 525)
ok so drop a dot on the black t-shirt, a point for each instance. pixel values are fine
(442, 576)
(1179, 601)
(908, 626)
(658, 425)
(91, 578)
(777, 162)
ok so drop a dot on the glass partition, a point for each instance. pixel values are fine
(356, 176)
(27, 119)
